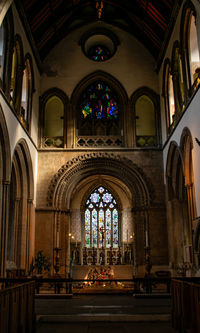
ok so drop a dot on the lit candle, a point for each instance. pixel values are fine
(127, 236)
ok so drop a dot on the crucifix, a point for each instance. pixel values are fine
(102, 231)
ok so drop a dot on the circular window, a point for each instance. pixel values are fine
(99, 45)
(99, 53)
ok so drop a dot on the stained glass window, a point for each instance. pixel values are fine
(99, 53)
(101, 220)
(99, 102)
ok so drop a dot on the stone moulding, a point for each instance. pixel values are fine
(100, 163)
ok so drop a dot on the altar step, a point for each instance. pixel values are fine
(103, 313)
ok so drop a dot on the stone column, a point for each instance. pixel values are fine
(67, 242)
(29, 214)
(4, 226)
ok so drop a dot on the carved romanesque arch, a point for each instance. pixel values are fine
(70, 174)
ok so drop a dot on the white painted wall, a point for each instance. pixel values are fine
(15, 129)
(191, 117)
(18, 29)
(132, 64)
(16, 132)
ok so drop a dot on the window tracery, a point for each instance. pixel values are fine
(101, 220)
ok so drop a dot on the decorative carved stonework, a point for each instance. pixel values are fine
(107, 163)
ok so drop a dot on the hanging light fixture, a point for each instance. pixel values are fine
(99, 7)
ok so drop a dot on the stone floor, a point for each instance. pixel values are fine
(103, 314)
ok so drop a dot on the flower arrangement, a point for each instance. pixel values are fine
(41, 263)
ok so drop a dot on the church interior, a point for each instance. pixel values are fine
(99, 139)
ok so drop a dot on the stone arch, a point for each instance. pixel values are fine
(154, 97)
(5, 169)
(20, 243)
(70, 174)
(174, 162)
(181, 203)
(43, 100)
(68, 179)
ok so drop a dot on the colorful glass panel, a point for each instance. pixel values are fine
(99, 102)
(94, 228)
(101, 219)
(101, 227)
(108, 228)
(99, 53)
(115, 228)
(95, 197)
(87, 228)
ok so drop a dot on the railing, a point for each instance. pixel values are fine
(17, 308)
(63, 286)
(98, 141)
(186, 305)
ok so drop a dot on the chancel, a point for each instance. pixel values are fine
(99, 159)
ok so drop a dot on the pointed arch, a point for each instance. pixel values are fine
(145, 105)
(52, 139)
(109, 131)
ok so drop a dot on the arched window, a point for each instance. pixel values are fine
(53, 122)
(145, 121)
(101, 220)
(16, 75)
(178, 80)
(190, 45)
(193, 50)
(99, 53)
(26, 97)
(168, 93)
(99, 110)
(146, 117)
(2, 49)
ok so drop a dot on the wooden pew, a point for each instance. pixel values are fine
(17, 309)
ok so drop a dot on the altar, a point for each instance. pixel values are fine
(104, 276)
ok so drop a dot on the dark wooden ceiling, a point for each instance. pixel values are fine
(150, 21)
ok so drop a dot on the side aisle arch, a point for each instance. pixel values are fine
(19, 244)
(5, 169)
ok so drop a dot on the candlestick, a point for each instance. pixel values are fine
(147, 240)
(57, 239)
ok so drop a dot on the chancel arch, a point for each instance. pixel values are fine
(19, 241)
(78, 179)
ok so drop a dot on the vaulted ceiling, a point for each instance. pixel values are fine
(48, 21)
